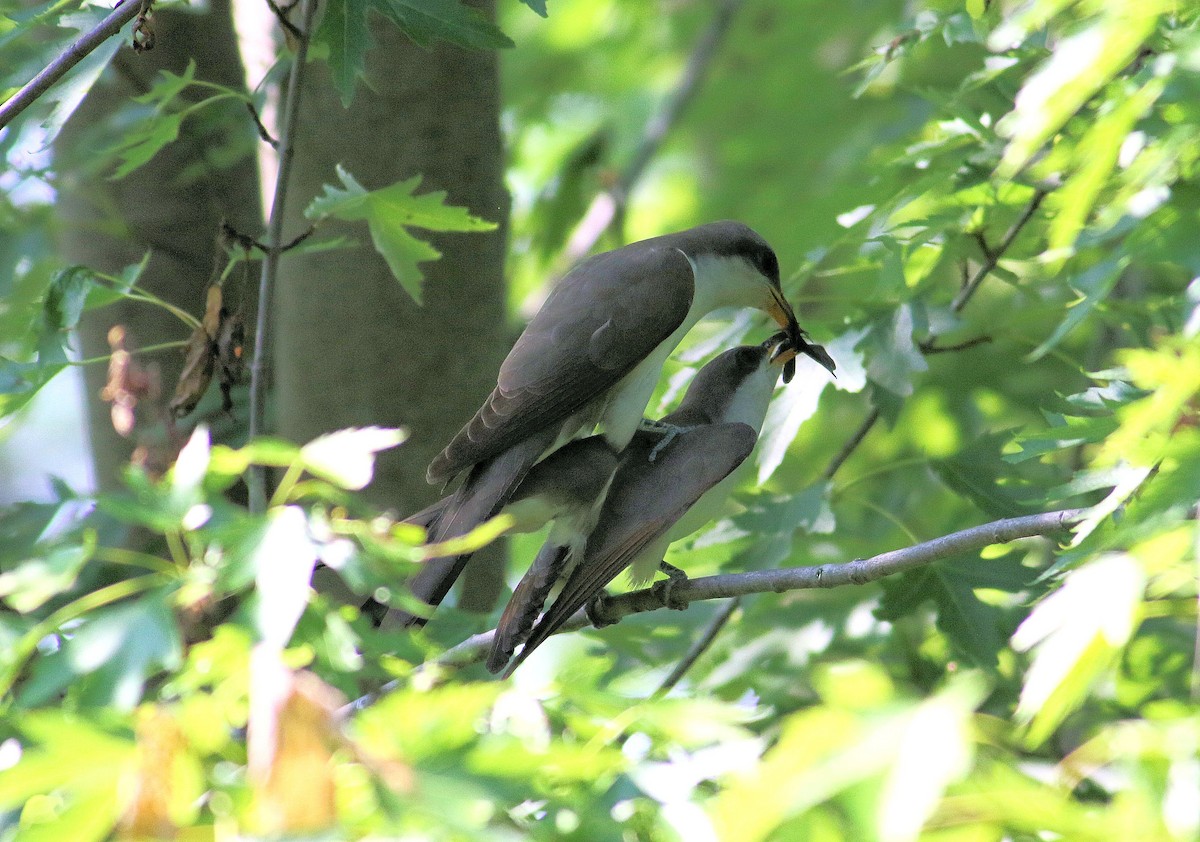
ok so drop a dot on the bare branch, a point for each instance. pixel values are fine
(256, 478)
(992, 255)
(262, 130)
(701, 644)
(930, 346)
(70, 57)
(608, 206)
(857, 572)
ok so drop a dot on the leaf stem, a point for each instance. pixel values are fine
(149, 349)
(284, 489)
(132, 558)
(88, 602)
(139, 294)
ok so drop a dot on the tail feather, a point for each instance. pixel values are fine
(527, 600)
(429, 517)
(484, 493)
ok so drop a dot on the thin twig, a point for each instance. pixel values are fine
(858, 572)
(70, 57)
(282, 15)
(247, 242)
(608, 206)
(992, 255)
(262, 130)
(256, 478)
(700, 646)
(930, 346)
(851, 444)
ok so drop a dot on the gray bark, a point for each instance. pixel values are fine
(352, 349)
(110, 224)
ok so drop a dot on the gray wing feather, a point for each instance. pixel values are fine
(602, 319)
(645, 501)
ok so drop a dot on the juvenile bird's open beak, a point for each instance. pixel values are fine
(783, 352)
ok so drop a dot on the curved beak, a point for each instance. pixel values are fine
(782, 350)
(783, 314)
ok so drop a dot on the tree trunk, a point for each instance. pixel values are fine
(351, 348)
(108, 225)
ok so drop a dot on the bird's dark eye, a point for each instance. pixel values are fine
(769, 265)
(748, 357)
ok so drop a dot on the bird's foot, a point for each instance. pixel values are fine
(668, 432)
(665, 588)
(598, 613)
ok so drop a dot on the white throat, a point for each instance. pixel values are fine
(753, 395)
(723, 281)
(718, 282)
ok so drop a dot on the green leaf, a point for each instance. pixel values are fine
(894, 357)
(389, 212)
(347, 457)
(67, 296)
(1076, 633)
(61, 750)
(1064, 432)
(1096, 157)
(146, 140)
(35, 580)
(976, 472)
(344, 31)
(427, 20)
(20, 381)
(89, 814)
(167, 85)
(538, 6)
(936, 749)
(274, 453)
(1080, 66)
(1093, 287)
(975, 629)
(808, 510)
(108, 659)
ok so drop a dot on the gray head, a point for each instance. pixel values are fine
(728, 238)
(736, 385)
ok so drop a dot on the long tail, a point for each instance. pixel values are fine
(527, 600)
(484, 493)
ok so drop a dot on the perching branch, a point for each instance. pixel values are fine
(256, 478)
(857, 572)
(607, 207)
(70, 57)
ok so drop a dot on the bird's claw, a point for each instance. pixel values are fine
(667, 431)
(665, 588)
(598, 613)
